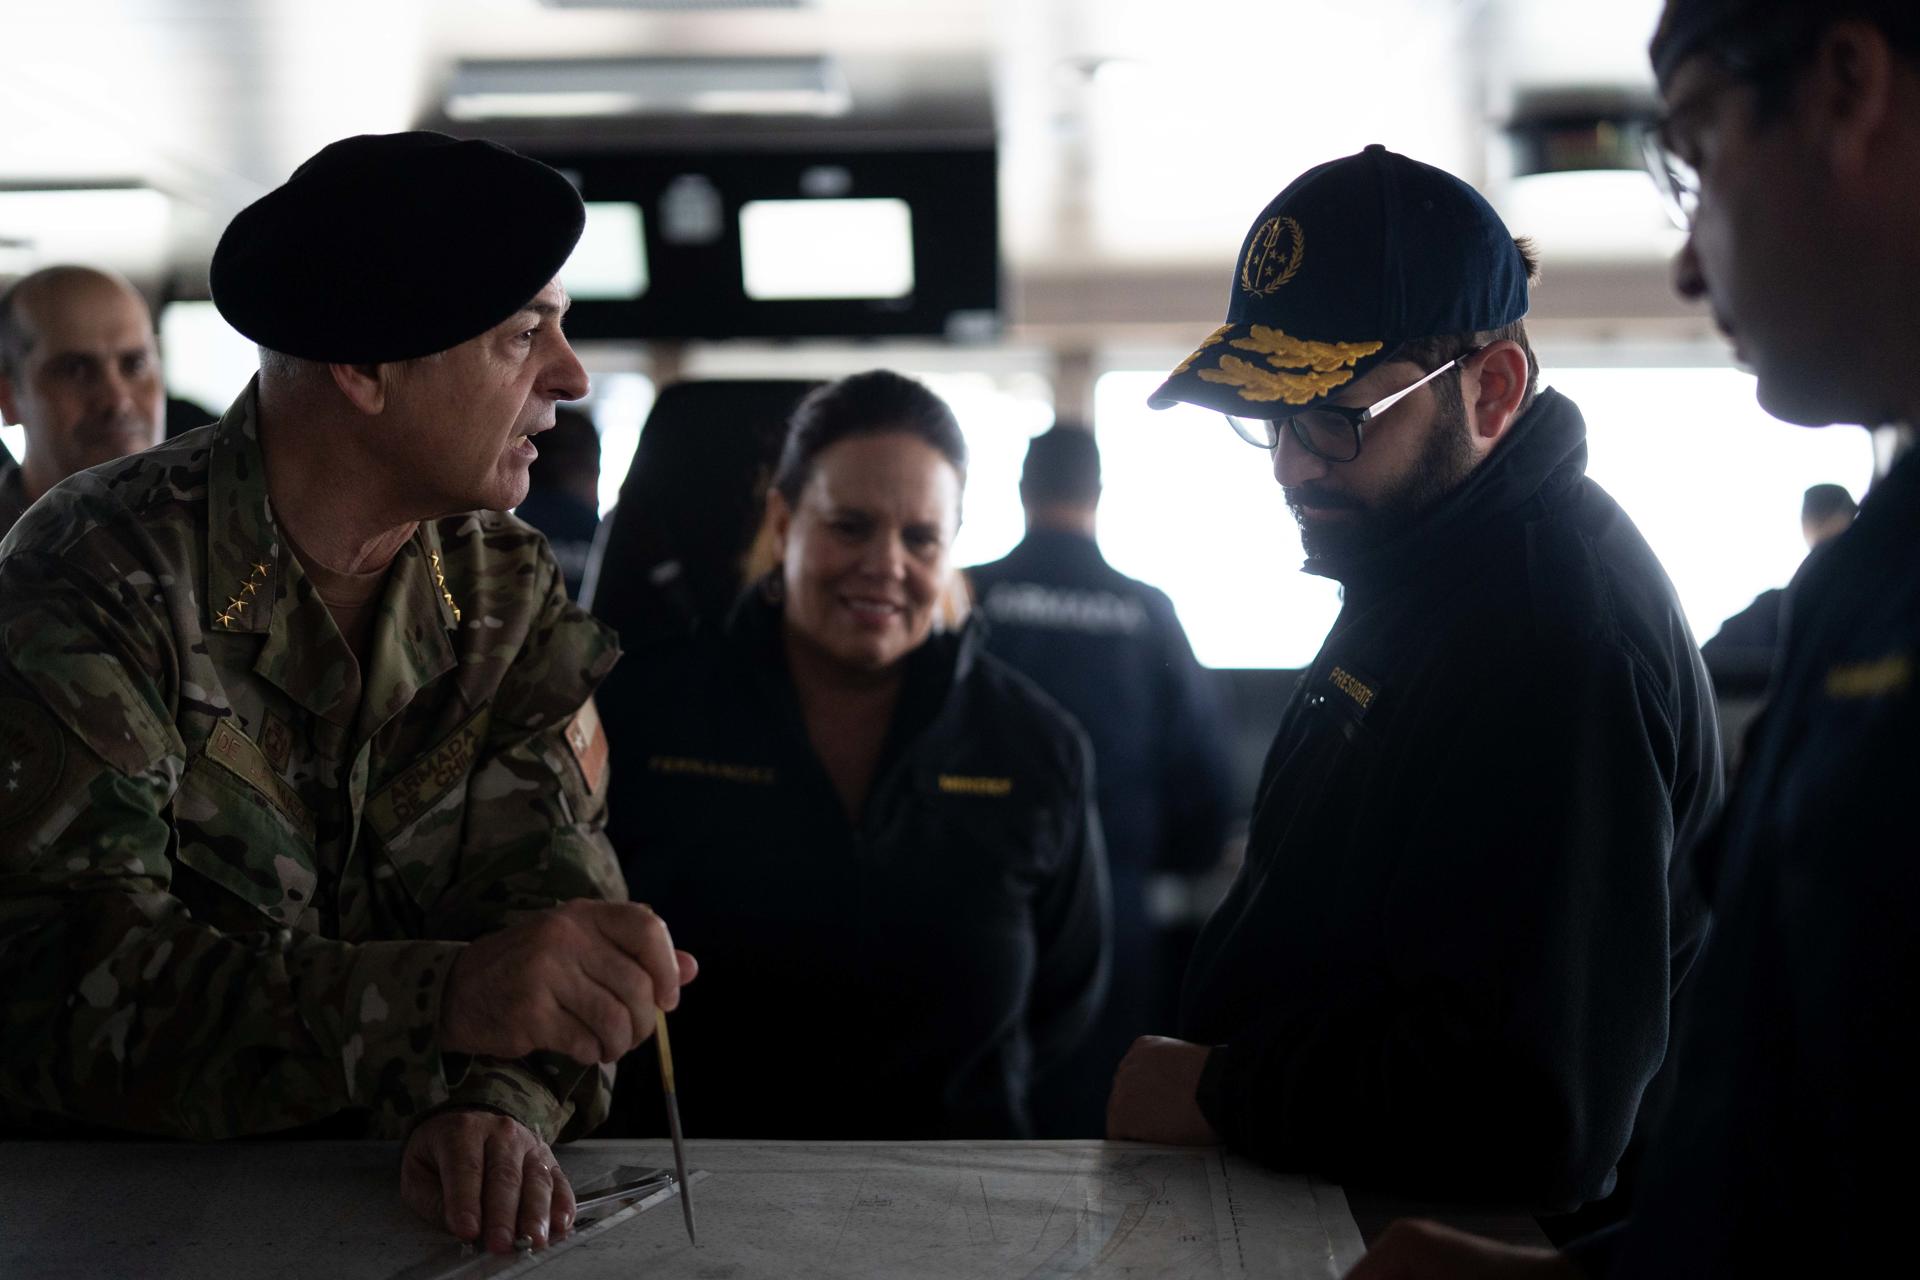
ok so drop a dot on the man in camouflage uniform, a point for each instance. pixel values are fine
(301, 785)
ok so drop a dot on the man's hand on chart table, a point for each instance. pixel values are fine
(486, 1177)
(1415, 1250)
(1153, 1094)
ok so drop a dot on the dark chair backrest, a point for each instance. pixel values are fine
(668, 562)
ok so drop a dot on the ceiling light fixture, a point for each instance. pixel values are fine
(574, 88)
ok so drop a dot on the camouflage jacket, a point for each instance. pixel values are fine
(232, 883)
(13, 492)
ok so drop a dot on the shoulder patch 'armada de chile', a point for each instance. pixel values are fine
(428, 780)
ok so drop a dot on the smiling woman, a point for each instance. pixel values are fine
(851, 807)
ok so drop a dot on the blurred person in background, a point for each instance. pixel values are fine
(80, 370)
(563, 492)
(673, 553)
(1448, 964)
(1111, 650)
(884, 838)
(1749, 640)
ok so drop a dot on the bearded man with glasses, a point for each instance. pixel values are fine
(1447, 965)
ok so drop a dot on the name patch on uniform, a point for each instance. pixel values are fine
(1353, 686)
(1062, 609)
(588, 742)
(235, 752)
(991, 788)
(1875, 679)
(748, 774)
(427, 780)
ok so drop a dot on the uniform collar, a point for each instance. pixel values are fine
(255, 586)
(932, 670)
(1060, 544)
(1546, 449)
(246, 556)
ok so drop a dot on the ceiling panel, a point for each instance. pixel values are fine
(1136, 134)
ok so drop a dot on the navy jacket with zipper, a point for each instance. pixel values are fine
(1447, 965)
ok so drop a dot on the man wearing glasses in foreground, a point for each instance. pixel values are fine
(1792, 142)
(1446, 967)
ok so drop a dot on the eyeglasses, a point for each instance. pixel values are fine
(1332, 431)
(1674, 176)
(1677, 181)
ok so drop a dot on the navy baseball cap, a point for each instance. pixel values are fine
(1354, 258)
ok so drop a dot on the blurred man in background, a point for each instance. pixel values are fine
(1748, 639)
(563, 492)
(1111, 651)
(80, 370)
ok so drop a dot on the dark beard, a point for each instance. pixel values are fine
(1446, 460)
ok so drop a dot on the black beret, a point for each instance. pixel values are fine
(390, 246)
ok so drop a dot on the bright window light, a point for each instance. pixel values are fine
(14, 440)
(610, 262)
(813, 249)
(997, 416)
(206, 360)
(621, 403)
(1712, 481)
(122, 227)
(1591, 214)
(1193, 509)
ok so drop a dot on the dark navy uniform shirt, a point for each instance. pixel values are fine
(1789, 1145)
(1111, 651)
(1446, 967)
(898, 977)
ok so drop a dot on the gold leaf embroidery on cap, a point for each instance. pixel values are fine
(440, 581)
(1256, 384)
(1284, 351)
(1213, 340)
(1274, 255)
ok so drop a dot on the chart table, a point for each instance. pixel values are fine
(950, 1211)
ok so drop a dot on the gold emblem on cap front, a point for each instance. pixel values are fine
(1274, 255)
